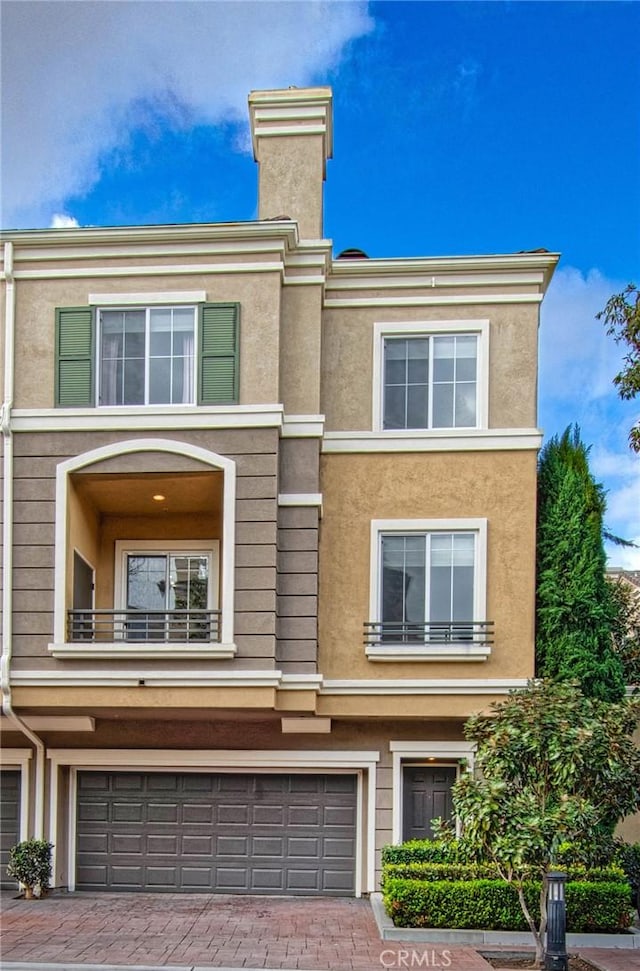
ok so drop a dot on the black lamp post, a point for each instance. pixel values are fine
(555, 957)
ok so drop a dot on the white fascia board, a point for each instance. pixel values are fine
(434, 265)
(416, 686)
(445, 440)
(146, 418)
(15, 756)
(176, 235)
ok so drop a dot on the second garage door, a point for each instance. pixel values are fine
(233, 833)
(9, 821)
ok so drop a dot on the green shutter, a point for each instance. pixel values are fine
(74, 357)
(219, 353)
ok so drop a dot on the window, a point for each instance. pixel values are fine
(167, 594)
(132, 355)
(427, 584)
(147, 356)
(430, 382)
(428, 590)
(430, 376)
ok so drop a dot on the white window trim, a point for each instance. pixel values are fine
(423, 652)
(226, 647)
(431, 328)
(412, 752)
(147, 307)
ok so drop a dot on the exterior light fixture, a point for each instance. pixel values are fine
(555, 957)
(158, 498)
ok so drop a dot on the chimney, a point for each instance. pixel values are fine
(292, 134)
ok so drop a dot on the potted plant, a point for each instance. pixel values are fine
(30, 864)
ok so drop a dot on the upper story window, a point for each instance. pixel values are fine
(430, 375)
(430, 382)
(147, 355)
(428, 590)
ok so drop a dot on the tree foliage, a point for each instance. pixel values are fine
(621, 317)
(552, 765)
(626, 627)
(575, 613)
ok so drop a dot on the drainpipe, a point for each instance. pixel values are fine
(7, 547)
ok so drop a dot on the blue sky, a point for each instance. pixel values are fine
(460, 128)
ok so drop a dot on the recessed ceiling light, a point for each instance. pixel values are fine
(159, 498)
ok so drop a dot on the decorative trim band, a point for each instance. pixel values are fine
(146, 299)
(149, 675)
(302, 426)
(444, 686)
(450, 440)
(155, 652)
(300, 499)
(146, 418)
(213, 758)
(434, 301)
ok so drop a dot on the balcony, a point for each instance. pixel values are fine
(132, 626)
(457, 640)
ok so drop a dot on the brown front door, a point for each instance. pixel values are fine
(426, 795)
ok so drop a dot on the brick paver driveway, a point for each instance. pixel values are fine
(187, 930)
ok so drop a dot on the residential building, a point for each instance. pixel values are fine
(269, 534)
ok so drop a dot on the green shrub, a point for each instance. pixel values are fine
(427, 851)
(30, 864)
(629, 856)
(487, 871)
(494, 904)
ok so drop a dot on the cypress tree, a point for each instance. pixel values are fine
(575, 614)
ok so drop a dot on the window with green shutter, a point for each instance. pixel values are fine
(145, 355)
(219, 353)
(74, 357)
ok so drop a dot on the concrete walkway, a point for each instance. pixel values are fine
(174, 932)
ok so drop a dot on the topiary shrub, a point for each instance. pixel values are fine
(30, 864)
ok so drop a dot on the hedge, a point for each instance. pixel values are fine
(489, 871)
(494, 905)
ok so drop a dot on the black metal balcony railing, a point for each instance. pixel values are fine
(479, 632)
(158, 626)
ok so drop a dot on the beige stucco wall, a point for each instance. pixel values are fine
(499, 486)
(347, 360)
(291, 180)
(258, 294)
(300, 349)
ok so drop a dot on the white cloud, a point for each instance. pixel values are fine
(577, 359)
(60, 221)
(577, 364)
(78, 77)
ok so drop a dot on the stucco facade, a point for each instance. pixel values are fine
(258, 579)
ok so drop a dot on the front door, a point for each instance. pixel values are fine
(426, 795)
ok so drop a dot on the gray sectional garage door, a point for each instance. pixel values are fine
(232, 832)
(9, 821)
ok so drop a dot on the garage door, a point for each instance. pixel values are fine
(233, 833)
(9, 821)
